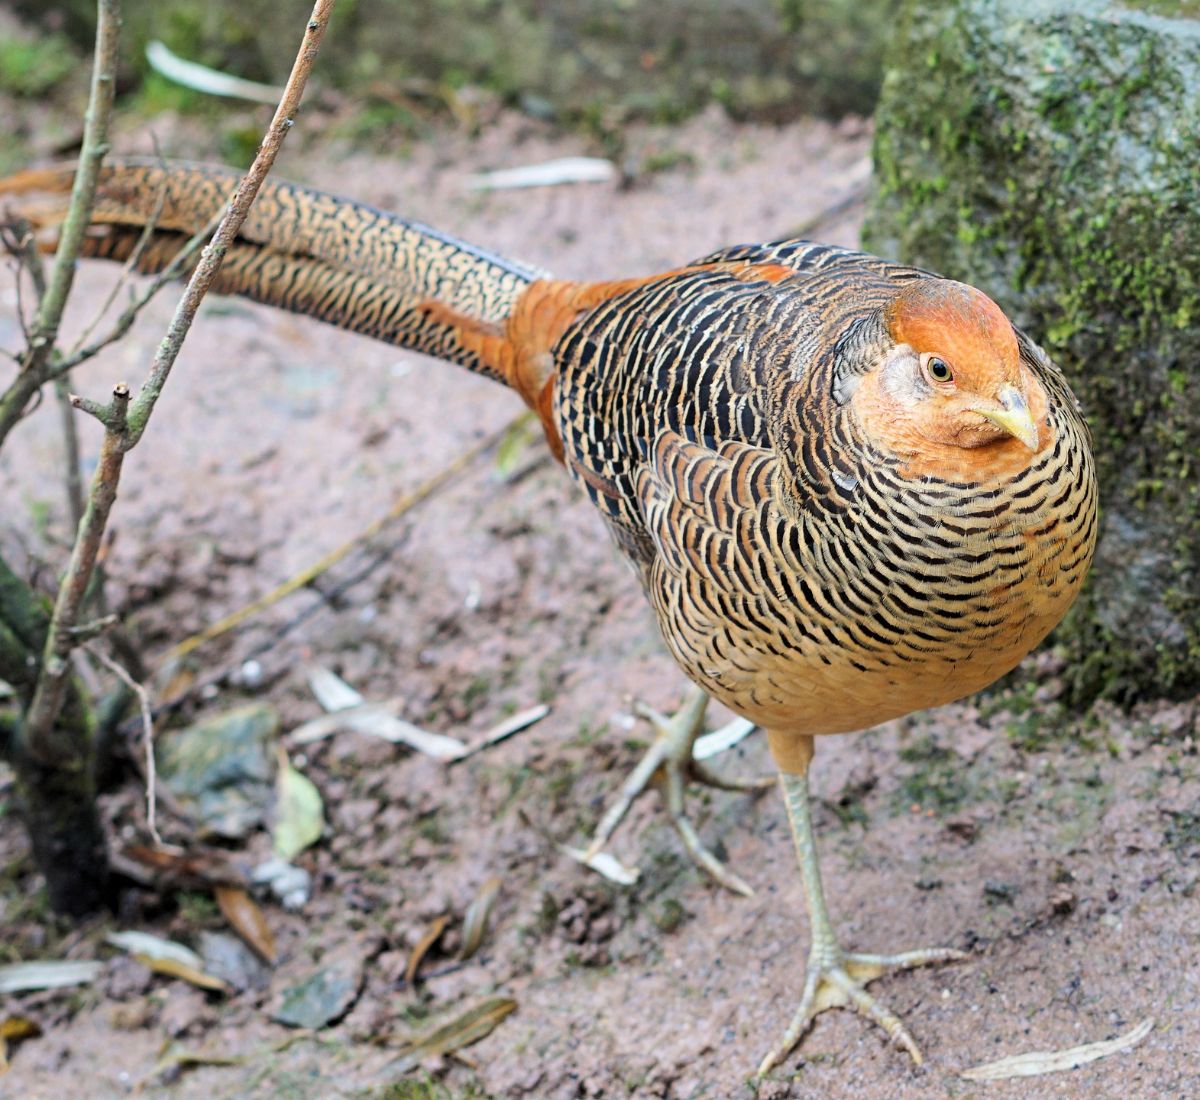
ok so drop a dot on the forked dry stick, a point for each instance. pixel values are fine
(147, 738)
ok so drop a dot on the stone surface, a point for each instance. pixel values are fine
(1046, 150)
(325, 993)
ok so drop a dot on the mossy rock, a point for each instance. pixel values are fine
(577, 59)
(1046, 151)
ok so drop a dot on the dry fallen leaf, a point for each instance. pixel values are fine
(299, 811)
(428, 938)
(12, 1030)
(603, 864)
(154, 947)
(317, 729)
(348, 710)
(332, 692)
(190, 868)
(173, 968)
(166, 957)
(546, 174)
(177, 1058)
(383, 723)
(476, 921)
(463, 1030)
(247, 920)
(1055, 1061)
(47, 974)
(201, 78)
(503, 730)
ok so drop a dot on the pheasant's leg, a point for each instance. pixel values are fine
(669, 763)
(835, 977)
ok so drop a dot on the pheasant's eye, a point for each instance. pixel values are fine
(938, 369)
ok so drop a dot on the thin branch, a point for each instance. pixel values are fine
(147, 738)
(85, 632)
(82, 351)
(324, 599)
(39, 732)
(16, 247)
(83, 192)
(70, 433)
(130, 314)
(28, 259)
(231, 223)
(22, 245)
(79, 215)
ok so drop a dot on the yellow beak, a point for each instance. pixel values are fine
(1012, 414)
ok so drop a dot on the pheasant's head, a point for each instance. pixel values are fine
(953, 380)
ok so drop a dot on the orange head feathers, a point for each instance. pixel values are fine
(953, 380)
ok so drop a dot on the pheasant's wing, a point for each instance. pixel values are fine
(728, 577)
(825, 261)
(697, 354)
(706, 509)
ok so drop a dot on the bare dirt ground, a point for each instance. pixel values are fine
(1061, 850)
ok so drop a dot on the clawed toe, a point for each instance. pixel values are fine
(840, 980)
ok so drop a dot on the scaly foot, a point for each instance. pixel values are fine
(836, 978)
(669, 763)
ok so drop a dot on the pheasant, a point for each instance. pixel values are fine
(850, 489)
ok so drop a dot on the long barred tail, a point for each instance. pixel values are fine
(302, 250)
(338, 261)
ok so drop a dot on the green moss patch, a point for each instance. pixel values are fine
(1046, 151)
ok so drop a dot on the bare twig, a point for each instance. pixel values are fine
(48, 696)
(83, 351)
(83, 196)
(147, 738)
(15, 245)
(21, 244)
(124, 323)
(221, 674)
(125, 420)
(308, 577)
(74, 479)
(85, 632)
(304, 578)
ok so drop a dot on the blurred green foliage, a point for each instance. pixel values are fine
(658, 59)
(31, 67)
